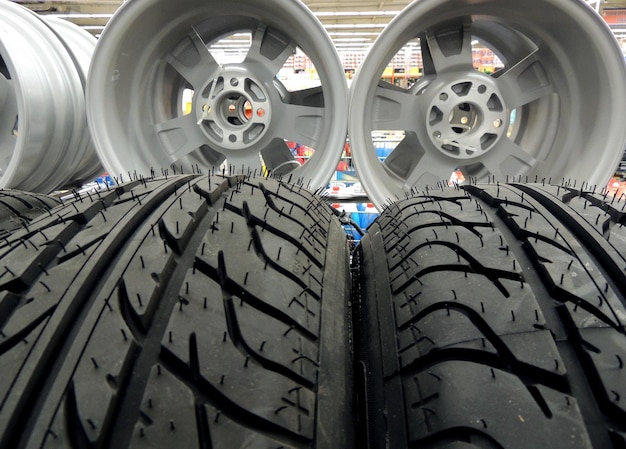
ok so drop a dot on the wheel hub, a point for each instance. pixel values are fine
(233, 110)
(464, 118)
(467, 115)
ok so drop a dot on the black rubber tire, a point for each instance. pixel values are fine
(493, 317)
(189, 312)
(18, 208)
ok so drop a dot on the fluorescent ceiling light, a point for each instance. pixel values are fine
(80, 16)
(353, 33)
(355, 13)
(351, 39)
(352, 44)
(354, 25)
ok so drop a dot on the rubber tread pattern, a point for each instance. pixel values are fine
(193, 311)
(18, 208)
(496, 319)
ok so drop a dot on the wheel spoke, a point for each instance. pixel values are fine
(469, 144)
(180, 136)
(8, 119)
(430, 170)
(193, 60)
(244, 161)
(270, 49)
(278, 158)
(416, 166)
(6, 86)
(508, 159)
(213, 157)
(447, 49)
(524, 82)
(8, 105)
(405, 156)
(313, 97)
(297, 123)
(395, 108)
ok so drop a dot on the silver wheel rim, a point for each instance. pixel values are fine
(145, 59)
(42, 109)
(569, 108)
(81, 45)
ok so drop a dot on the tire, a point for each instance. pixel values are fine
(19, 208)
(493, 316)
(192, 311)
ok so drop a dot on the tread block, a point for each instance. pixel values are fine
(606, 350)
(167, 415)
(145, 276)
(171, 415)
(23, 266)
(102, 372)
(293, 221)
(509, 307)
(18, 209)
(177, 225)
(13, 356)
(228, 373)
(478, 402)
(290, 295)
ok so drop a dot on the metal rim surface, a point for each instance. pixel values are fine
(42, 105)
(81, 45)
(150, 55)
(555, 110)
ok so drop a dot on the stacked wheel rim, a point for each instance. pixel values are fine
(43, 131)
(81, 45)
(549, 113)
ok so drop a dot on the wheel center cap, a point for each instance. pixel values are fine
(466, 116)
(233, 109)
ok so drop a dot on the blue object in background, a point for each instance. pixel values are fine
(105, 180)
(362, 218)
(384, 148)
(351, 230)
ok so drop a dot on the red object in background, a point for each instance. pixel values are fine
(614, 16)
(456, 178)
(616, 188)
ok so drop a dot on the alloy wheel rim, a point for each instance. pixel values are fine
(530, 119)
(42, 109)
(240, 112)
